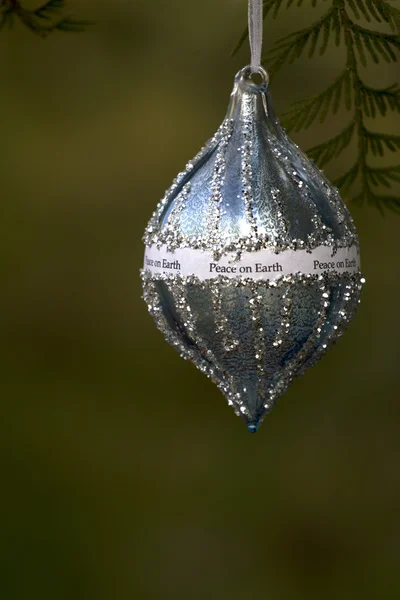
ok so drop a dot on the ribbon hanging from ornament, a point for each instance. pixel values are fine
(255, 33)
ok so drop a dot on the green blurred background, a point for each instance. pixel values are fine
(124, 473)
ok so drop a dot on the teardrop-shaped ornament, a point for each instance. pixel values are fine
(252, 267)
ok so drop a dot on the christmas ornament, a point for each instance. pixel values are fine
(252, 264)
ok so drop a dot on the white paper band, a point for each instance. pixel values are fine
(263, 264)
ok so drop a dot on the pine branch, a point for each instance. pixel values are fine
(47, 10)
(380, 201)
(291, 47)
(371, 10)
(377, 143)
(384, 175)
(304, 112)
(6, 16)
(362, 45)
(71, 25)
(271, 6)
(345, 181)
(42, 21)
(378, 45)
(394, 16)
(379, 100)
(323, 153)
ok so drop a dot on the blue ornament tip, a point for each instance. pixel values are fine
(252, 426)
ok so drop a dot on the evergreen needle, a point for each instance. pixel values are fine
(363, 44)
(42, 21)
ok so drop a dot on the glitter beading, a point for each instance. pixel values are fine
(251, 190)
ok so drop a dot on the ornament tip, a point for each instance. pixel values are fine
(252, 426)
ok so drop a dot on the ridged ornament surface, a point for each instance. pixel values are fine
(251, 192)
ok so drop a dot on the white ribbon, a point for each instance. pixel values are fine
(255, 33)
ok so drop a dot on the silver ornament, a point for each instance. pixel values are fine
(252, 259)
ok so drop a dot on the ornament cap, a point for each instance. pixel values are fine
(248, 78)
(250, 98)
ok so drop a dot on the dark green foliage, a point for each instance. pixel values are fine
(362, 45)
(324, 153)
(313, 38)
(377, 143)
(345, 181)
(42, 21)
(384, 175)
(6, 16)
(47, 10)
(379, 100)
(304, 112)
(378, 45)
